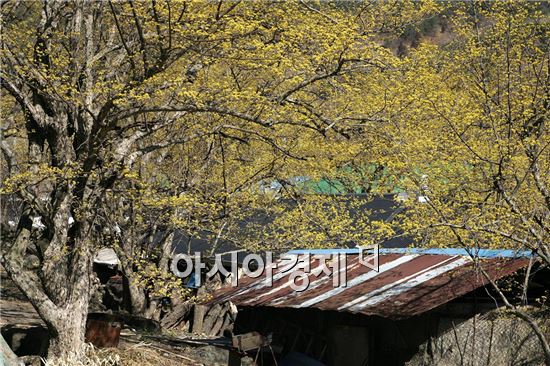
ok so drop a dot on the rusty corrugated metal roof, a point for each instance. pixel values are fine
(406, 284)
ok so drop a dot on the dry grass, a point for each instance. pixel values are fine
(137, 355)
(87, 356)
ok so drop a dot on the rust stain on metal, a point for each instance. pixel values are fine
(405, 285)
(103, 330)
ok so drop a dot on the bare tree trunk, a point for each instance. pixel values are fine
(7, 357)
(67, 335)
(140, 304)
(138, 300)
(60, 298)
(66, 323)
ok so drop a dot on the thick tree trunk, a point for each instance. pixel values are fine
(7, 357)
(60, 297)
(66, 324)
(140, 304)
(67, 332)
(138, 300)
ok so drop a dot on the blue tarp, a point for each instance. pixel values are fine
(481, 253)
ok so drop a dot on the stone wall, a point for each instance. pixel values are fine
(495, 338)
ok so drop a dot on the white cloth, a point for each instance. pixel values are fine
(106, 256)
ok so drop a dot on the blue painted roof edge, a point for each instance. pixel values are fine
(481, 253)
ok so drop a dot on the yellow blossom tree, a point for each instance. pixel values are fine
(467, 134)
(195, 105)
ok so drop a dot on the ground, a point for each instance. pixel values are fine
(134, 348)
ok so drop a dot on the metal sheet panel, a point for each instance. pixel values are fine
(407, 284)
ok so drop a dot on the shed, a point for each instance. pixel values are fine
(380, 317)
